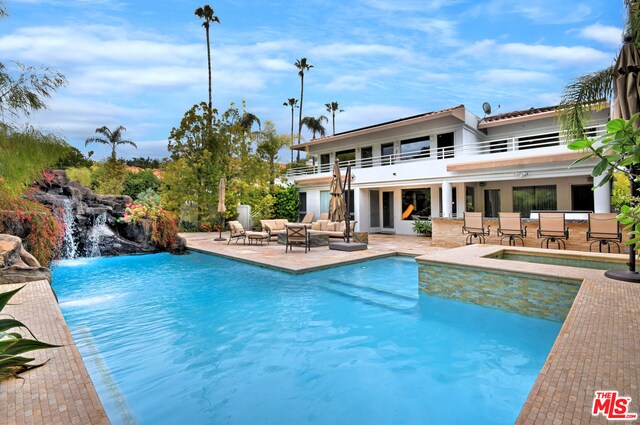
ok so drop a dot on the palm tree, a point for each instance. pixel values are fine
(590, 91)
(293, 103)
(302, 66)
(332, 108)
(315, 125)
(206, 13)
(113, 138)
(248, 120)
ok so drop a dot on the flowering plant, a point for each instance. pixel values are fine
(164, 224)
(205, 227)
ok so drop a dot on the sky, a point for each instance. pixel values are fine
(142, 64)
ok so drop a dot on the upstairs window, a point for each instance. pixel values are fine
(387, 153)
(419, 147)
(445, 145)
(366, 155)
(325, 163)
(348, 155)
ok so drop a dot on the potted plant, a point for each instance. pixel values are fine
(422, 227)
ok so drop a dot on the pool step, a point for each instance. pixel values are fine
(372, 294)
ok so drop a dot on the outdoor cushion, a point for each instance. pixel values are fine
(281, 224)
(322, 224)
(331, 226)
(316, 226)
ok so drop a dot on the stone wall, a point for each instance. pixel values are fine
(536, 296)
(447, 232)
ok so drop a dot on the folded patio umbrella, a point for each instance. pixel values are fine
(336, 203)
(221, 194)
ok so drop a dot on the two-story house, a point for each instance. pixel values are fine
(443, 163)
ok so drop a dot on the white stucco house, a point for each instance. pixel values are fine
(443, 163)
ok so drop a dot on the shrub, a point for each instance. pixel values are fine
(43, 225)
(422, 227)
(108, 177)
(80, 174)
(12, 344)
(287, 202)
(164, 224)
(136, 183)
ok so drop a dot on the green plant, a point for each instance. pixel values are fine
(12, 344)
(112, 138)
(287, 202)
(108, 177)
(164, 224)
(136, 183)
(422, 227)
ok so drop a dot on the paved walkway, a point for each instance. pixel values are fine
(60, 392)
(272, 255)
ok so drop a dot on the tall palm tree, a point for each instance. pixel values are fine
(113, 138)
(302, 66)
(248, 120)
(315, 125)
(206, 12)
(293, 103)
(590, 91)
(332, 108)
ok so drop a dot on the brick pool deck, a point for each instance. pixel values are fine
(598, 347)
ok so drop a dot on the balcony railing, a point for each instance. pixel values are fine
(487, 147)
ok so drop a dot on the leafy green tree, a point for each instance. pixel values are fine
(292, 102)
(113, 138)
(314, 125)
(108, 177)
(147, 162)
(590, 91)
(207, 13)
(332, 108)
(302, 66)
(29, 89)
(287, 202)
(269, 145)
(73, 159)
(136, 183)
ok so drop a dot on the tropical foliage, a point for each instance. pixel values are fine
(422, 227)
(107, 178)
(292, 103)
(13, 345)
(302, 65)
(287, 202)
(112, 138)
(139, 182)
(148, 209)
(315, 125)
(207, 13)
(589, 92)
(269, 144)
(332, 108)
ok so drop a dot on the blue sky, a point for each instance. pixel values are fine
(142, 64)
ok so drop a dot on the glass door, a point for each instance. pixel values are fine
(387, 211)
(374, 211)
(491, 202)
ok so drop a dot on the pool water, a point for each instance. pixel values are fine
(201, 339)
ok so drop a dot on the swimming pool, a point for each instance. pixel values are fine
(202, 339)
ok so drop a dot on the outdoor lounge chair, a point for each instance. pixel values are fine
(237, 232)
(308, 218)
(604, 229)
(324, 216)
(510, 227)
(474, 227)
(296, 235)
(552, 228)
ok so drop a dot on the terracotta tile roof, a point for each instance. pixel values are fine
(518, 114)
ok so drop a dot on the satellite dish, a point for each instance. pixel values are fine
(486, 108)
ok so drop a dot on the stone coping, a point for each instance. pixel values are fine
(61, 391)
(597, 348)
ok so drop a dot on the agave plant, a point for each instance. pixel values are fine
(13, 344)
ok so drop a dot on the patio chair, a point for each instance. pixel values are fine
(510, 227)
(474, 227)
(308, 218)
(296, 235)
(552, 228)
(604, 229)
(237, 232)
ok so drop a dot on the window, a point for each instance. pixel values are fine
(497, 146)
(366, 155)
(387, 153)
(491, 202)
(528, 198)
(325, 163)
(420, 147)
(470, 199)
(302, 210)
(540, 141)
(349, 155)
(445, 145)
(325, 197)
(416, 202)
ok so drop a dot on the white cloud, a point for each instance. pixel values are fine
(538, 11)
(409, 5)
(337, 50)
(442, 30)
(604, 34)
(512, 77)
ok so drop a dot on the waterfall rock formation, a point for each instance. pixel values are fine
(17, 265)
(94, 225)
